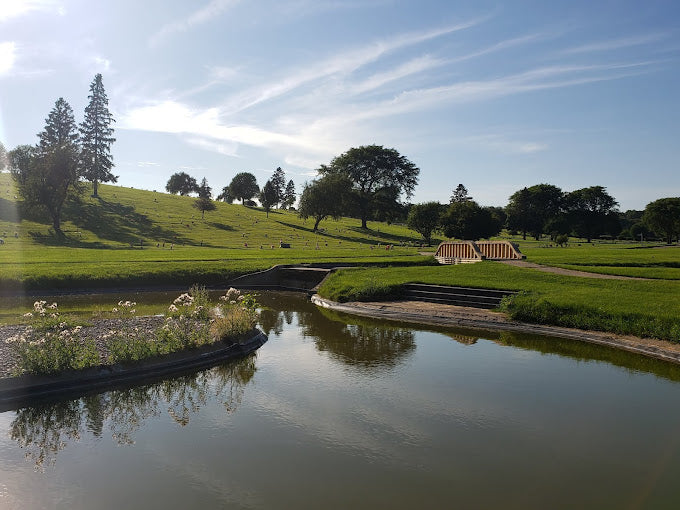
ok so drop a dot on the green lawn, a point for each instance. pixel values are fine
(131, 237)
(643, 308)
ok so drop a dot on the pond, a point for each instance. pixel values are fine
(337, 411)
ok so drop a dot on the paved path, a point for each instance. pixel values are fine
(567, 272)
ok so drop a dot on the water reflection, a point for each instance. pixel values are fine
(46, 429)
(353, 340)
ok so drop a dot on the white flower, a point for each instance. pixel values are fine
(28, 314)
(53, 306)
(115, 310)
(172, 308)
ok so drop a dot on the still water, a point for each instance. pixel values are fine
(338, 412)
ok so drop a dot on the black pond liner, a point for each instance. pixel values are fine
(17, 392)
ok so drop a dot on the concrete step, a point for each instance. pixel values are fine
(458, 296)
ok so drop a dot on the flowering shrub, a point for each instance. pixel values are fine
(236, 314)
(129, 342)
(51, 343)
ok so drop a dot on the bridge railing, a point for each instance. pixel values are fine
(457, 252)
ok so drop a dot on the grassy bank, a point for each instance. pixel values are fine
(641, 308)
(131, 238)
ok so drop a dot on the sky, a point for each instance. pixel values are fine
(496, 95)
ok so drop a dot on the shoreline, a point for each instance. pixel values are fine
(475, 318)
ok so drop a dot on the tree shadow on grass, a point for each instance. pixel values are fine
(116, 222)
(9, 211)
(220, 226)
(384, 235)
(368, 235)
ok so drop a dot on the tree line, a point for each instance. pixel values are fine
(275, 192)
(544, 209)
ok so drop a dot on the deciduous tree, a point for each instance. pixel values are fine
(530, 209)
(268, 196)
(181, 183)
(591, 212)
(96, 135)
(49, 173)
(370, 169)
(226, 195)
(244, 186)
(467, 220)
(424, 219)
(663, 217)
(324, 198)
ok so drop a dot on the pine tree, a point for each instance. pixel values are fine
(460, 194)
(289, 195)
(97, 137)
(203, 202)
(279, 183)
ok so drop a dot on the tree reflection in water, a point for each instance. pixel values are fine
(46, 429)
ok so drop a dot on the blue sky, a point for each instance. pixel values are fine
(495, 95)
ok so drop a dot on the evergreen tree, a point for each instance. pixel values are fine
(289, 195)
(278, 181)
(203, 202)
(96, 137)
(460, 194)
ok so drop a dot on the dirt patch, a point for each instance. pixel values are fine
(475, 318)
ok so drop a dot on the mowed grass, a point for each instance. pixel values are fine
(132, 237)
(642, 308)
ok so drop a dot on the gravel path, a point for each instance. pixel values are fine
(97, 330)
(567, 272)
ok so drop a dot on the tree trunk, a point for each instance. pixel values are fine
(56, 223)
(316, 224)
(94, 188)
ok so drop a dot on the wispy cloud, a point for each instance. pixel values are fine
(411, 67)
(615, 44)
(196, 18)
(15, 8)
(7, 57)
(340, 64)
(306, 142)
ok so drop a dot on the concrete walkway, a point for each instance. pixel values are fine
(475, 318)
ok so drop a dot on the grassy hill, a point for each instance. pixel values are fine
(134, 237)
